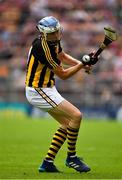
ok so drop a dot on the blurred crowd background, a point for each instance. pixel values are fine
(99, 93)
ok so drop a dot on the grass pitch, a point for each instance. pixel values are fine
(24, 142)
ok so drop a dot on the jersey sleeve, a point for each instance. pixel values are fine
(51, 53)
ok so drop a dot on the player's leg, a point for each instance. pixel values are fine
(64, 118)
(73, 116)
(57, 141)
(45, 99)
(69, 111)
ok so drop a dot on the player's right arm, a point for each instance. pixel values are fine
(67, 59)
(69, 72)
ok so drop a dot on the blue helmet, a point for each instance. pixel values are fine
(48, 24)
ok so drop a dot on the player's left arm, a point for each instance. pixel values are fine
(67, 59)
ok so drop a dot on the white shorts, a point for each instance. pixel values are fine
(43, 98)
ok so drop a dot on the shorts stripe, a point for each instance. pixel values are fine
(46, 97)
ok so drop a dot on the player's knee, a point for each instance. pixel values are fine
(76, 119)
(65, 124)
(78, 116)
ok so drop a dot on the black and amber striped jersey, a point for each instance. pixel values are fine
(42, 59)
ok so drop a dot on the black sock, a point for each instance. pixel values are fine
(57, 141)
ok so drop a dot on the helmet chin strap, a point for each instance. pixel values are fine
(45, 36)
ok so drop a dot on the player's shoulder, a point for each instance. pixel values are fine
(36, 45)
(36, 41)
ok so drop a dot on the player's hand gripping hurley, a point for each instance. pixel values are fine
(110, 36)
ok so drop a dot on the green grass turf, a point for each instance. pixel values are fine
(25, 141)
